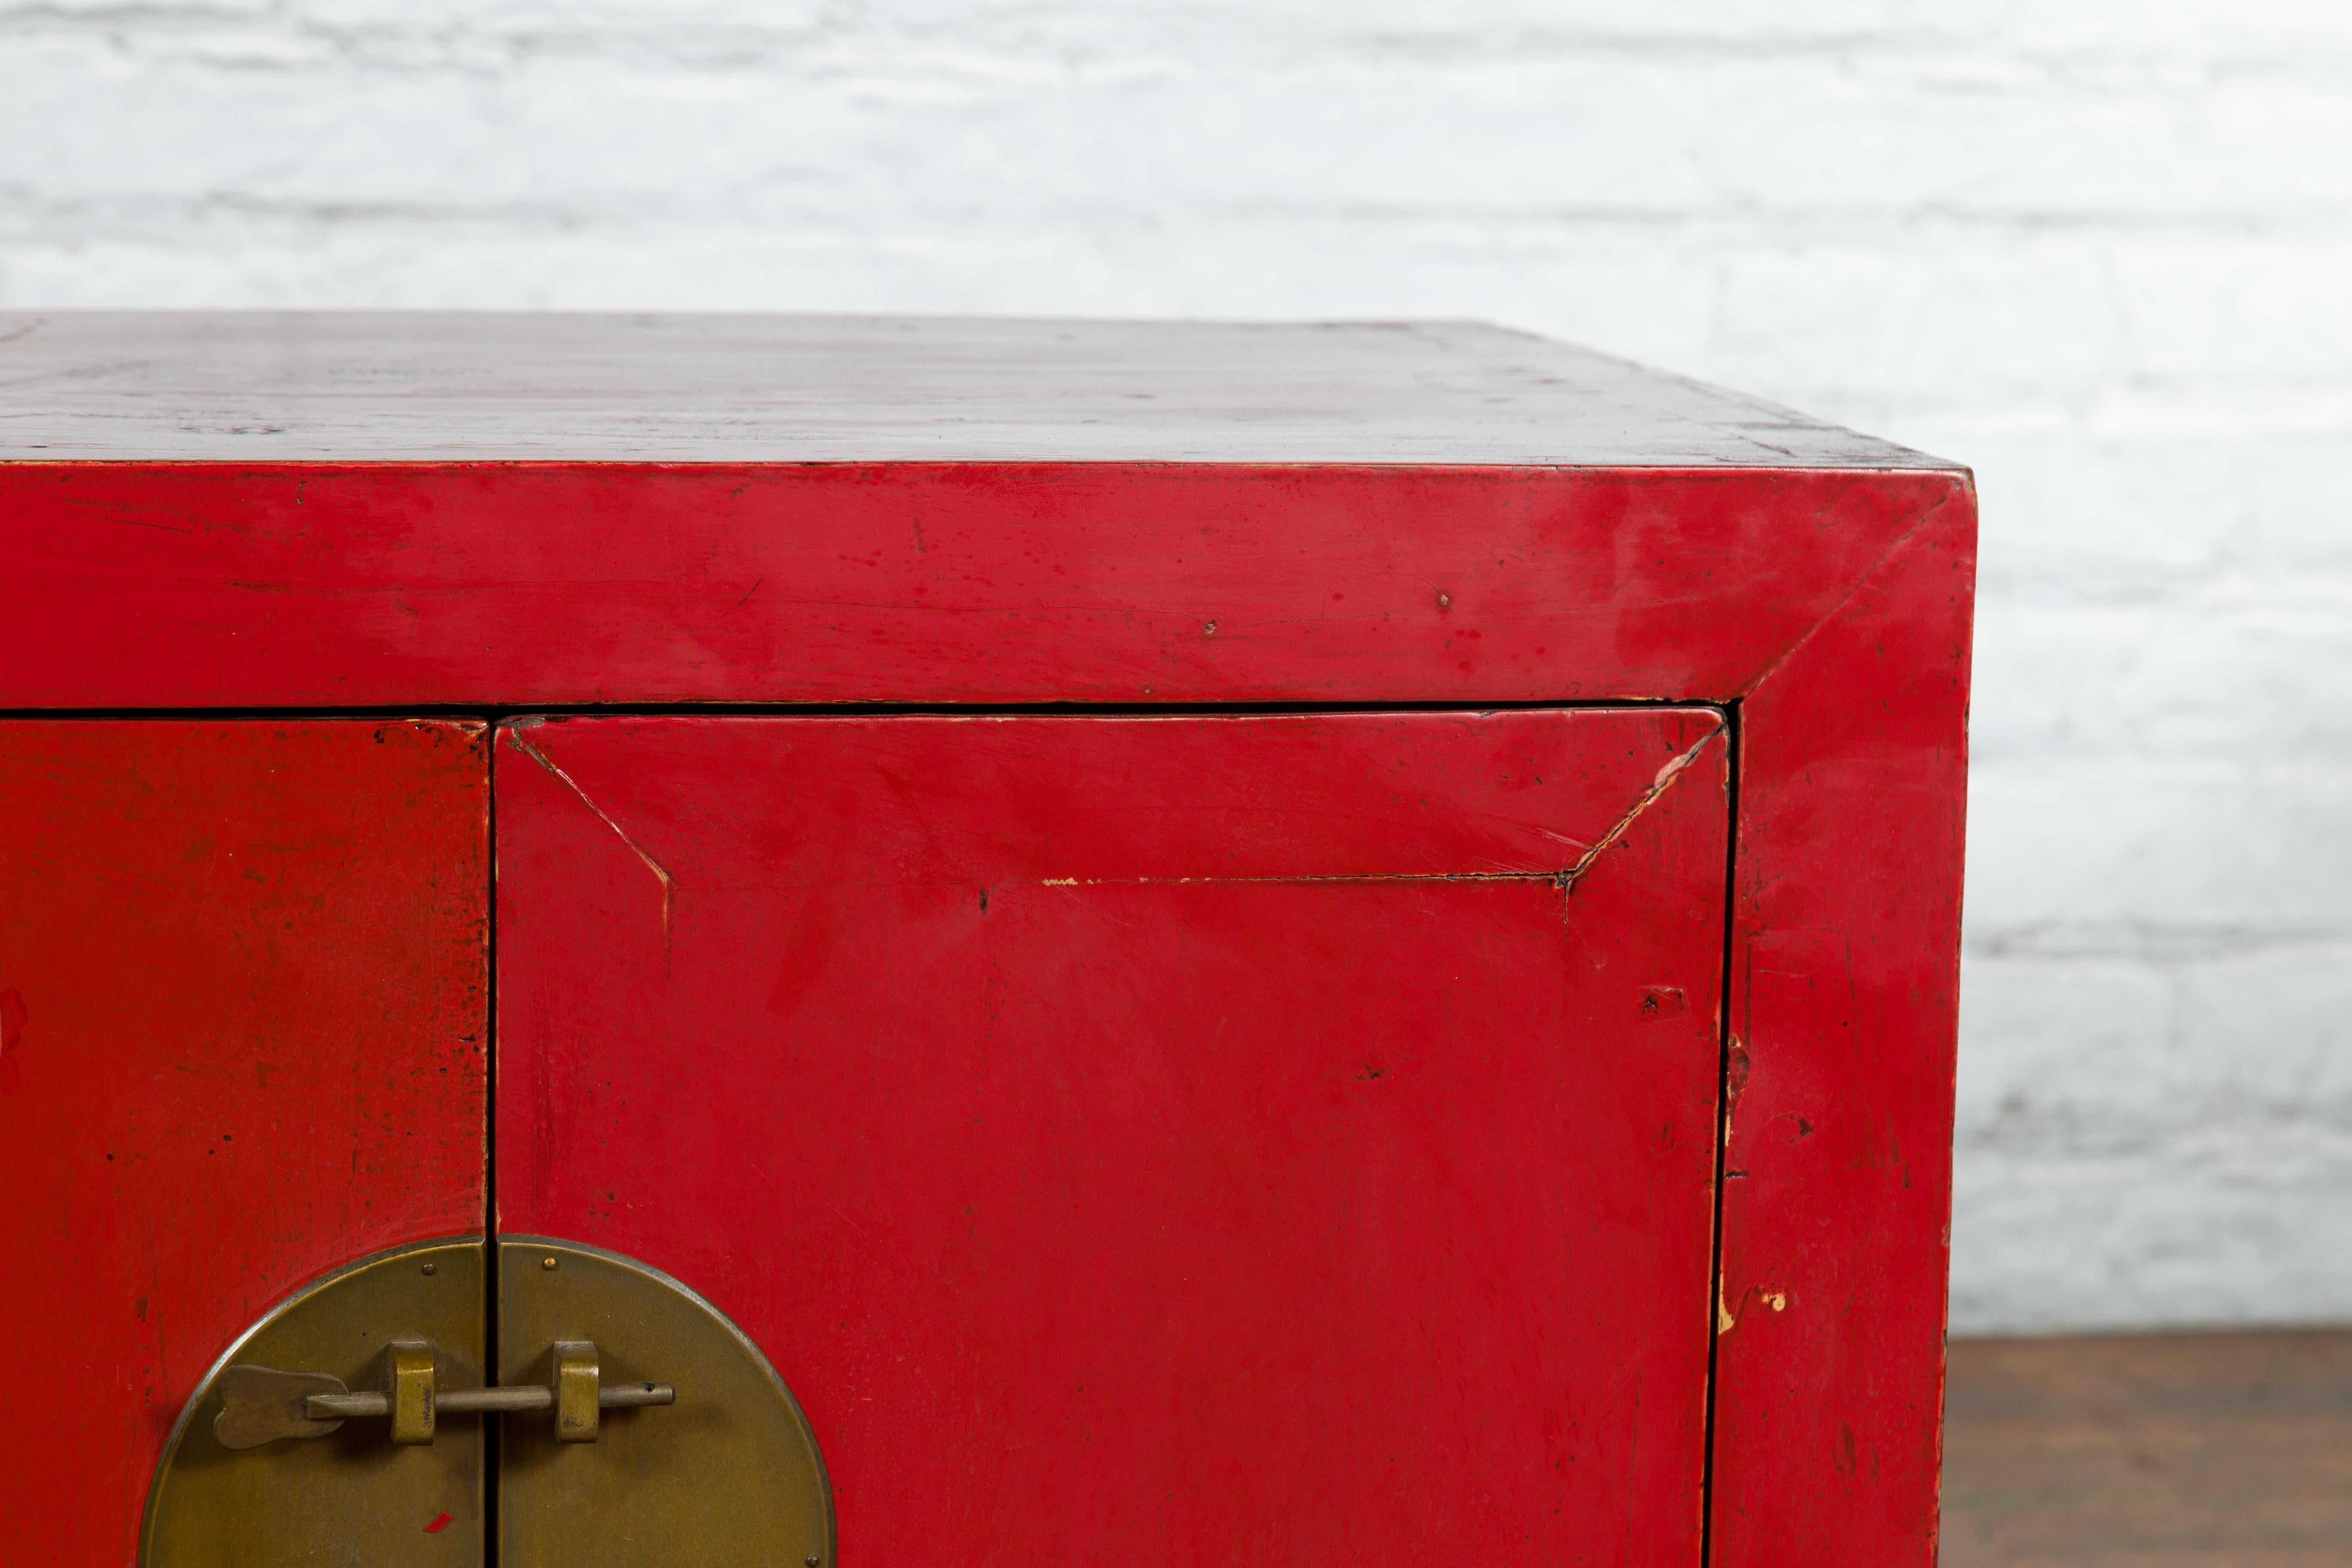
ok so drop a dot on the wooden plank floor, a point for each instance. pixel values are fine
(2150, 1450)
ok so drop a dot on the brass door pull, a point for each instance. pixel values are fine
(261, 1404)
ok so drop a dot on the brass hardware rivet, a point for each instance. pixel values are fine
(547, 1263)
(429, 1268)
(812, 1563)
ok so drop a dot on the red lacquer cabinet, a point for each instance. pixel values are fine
(1013, 942)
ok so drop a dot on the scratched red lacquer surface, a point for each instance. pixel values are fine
(527, 583)
(241, 989)
(1846, 983)
(1213, 1140)
(1827, 601)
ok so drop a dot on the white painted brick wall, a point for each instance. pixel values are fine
(2101, 248)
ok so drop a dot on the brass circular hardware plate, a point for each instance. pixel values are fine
(729, 1475)
(349, 1495)
(699, 1453)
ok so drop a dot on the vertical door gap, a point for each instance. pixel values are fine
(490, 1357)
(1724, 1037)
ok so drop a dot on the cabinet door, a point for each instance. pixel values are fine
(242, 1043)
(1235, 1139)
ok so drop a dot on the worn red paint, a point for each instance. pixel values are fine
(251, 954)
(1824, 595)
(1844, 991)
(412, 584)
(1272, 1170)
(12, 1037)
(440, 1523)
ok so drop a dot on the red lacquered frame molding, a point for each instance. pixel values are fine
(1829, 607)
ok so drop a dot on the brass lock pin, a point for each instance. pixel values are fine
(262, 1405)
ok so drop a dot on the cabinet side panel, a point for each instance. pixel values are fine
(242, 978)
(1845, 953)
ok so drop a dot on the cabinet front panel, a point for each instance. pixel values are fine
(1235, 1140)
(242, 1043)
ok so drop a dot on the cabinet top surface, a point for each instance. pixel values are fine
(413, 387)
